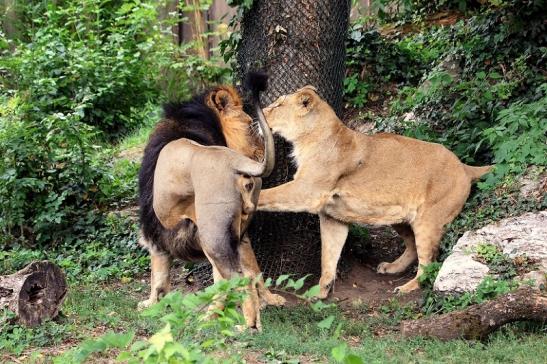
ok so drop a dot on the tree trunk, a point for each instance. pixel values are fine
(35, 293)
(297, 43)
(478, 321)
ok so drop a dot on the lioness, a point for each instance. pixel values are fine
(347, 177)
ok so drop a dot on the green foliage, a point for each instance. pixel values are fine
(108, 252)
(15, 338)
(192, 329)
(342, 354)
(373, 62)
(418, 10)
(497, 60)
(501, 265)
(489, 288)
(79, 75)
(518, 138)
(429, 274)
(86, 60)
(45, 184)
(230, 45)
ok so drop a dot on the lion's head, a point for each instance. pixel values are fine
(295, 115)
(236, 123)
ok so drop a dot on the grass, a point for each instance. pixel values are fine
(139, 137)
(88, 311)
(290, 334)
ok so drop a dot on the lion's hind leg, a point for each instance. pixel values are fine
(428, 234)
(407, 258)
(251, 268)
(160, 283)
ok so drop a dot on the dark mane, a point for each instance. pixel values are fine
(193, 120)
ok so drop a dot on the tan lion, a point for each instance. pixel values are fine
(198, 187)
(384, 179)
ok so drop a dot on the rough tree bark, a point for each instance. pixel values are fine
(34, 293)
(297, 43)
(478, 321)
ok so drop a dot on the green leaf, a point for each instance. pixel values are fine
(312, 291)
(282, 278)
(353, 359)
(339, 352)
(326, 323)
(162, 337)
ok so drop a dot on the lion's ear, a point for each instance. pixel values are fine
(221, 100)
(307, 98)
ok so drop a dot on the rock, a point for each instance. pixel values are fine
(516, 236)
(460, 273)
(536, 278)
(533, 184)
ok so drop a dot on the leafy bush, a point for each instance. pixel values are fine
(518, 138)
(48, 176)
(107, 252)
(78, 74)
(373, 62)
(89, 60)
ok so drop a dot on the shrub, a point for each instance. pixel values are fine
(373, 62)
(87, 59)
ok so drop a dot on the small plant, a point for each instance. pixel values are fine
(342, 354)
(501, 265)
(488, 289)
(15, 338)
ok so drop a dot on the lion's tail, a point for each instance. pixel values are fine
(476, 173)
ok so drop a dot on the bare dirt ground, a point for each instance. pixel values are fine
(357, 282)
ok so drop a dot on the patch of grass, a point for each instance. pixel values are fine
(139, 137)
(294, 330)
(503, 347)
(107, 307)
(291, 333)
(88, 311)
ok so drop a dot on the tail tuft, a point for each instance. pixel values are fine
(256, 82)
(477, 172)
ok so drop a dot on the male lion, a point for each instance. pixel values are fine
(198, 186)
(347, 177)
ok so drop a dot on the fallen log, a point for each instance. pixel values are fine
(478, 321)
(34, 293)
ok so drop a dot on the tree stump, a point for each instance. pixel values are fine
(34, 293)
(478, 321)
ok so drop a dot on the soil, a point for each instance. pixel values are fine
(362, 285)
(357, 281)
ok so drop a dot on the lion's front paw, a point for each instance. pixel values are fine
(146, 303)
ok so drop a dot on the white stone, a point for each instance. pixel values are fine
(522, 235)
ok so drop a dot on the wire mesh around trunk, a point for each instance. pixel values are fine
(296, 43)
